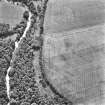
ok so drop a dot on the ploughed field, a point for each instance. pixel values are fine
(74, 63)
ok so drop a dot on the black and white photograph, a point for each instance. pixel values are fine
(52, 52)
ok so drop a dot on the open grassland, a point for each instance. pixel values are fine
(10, 14)
(75, 63)
(68, 15)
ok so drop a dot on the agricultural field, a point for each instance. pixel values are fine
(52, 52)
(73, 14)
(75, 63)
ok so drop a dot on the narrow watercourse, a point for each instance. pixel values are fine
(38, 32)
(16, 46)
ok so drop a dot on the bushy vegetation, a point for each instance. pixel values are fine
(5, 30)
(19, 29)
(26, 15)
(4, 27)
(22, 74)
(6, 49)
(24, 87)
(23, 84)
(14, 102)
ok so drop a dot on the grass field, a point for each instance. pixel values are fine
(81, 68)
(65, 15)
(10, 14)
